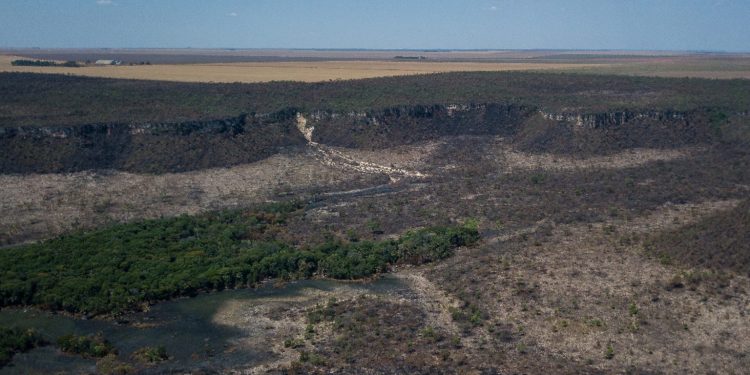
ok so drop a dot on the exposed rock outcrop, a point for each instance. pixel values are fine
(615, 118)
(152, 147)
(607, 132)
(191, 145)
(403, 125)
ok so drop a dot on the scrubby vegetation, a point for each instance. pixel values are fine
(368, 329)
(721, 242)
(14, 340)
(95, 346)
(110, 365)
(113, 270)
(150, 354)
(32, 99)
(184, 126)
(561, 284)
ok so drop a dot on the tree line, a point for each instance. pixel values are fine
(67, 64)
(119, 268)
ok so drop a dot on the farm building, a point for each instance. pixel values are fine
(108, 62)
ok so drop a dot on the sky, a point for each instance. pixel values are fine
(680, 25)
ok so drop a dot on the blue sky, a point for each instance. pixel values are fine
(718, 25)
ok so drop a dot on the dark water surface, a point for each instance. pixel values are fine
(183, 326)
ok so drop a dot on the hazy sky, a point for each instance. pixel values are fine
(722, 25)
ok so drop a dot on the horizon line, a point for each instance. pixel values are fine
(377, 49)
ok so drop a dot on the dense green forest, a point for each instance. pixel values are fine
(116, 269)
(35, 99)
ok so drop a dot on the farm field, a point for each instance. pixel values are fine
(317, 66)
(198, 55)
(302, 71)
(713, 67)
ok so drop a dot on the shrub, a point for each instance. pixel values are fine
(294, 343)
(150, 354)
(109, 365)
(312, 358)
(633, 309)
(538, 178)
(610, 352)
(95, 346)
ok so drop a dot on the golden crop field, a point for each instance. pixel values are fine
(317, 71)
(283, 71)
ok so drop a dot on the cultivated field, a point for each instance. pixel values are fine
(249, 66)
(198, 56)
(727, 67)
(249, 72)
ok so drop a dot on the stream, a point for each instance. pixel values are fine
(186, 327)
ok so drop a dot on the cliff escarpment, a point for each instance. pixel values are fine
(175, 147)
(150, 147)
(403, 125)
(529, 129)
(606, 132)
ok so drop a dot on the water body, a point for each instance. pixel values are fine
(184, 326)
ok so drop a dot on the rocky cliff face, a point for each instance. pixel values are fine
(403, 125)
(153, 147)
(602, 133)
(531, 129)
(174, 147)
(614, 118)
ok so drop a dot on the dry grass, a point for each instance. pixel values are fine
(569, 295)
(513, 160)
(282, 71)
(678, 67)
(49, 204)
(318, 71)
(41, 205)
